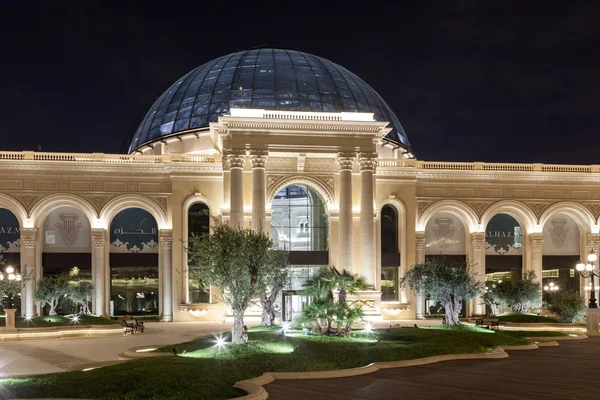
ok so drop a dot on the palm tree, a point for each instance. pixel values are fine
(348, 283)
(329, 279)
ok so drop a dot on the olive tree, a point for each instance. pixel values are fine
(519, 295)
(238, 261)
(81, 296)
(50, 290)
(276, 278)
(446, 282)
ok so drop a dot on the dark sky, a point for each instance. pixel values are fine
(469, 80)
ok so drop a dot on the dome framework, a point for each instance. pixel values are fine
(271, 79)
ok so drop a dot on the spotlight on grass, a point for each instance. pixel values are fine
(220, 341)
(368, 327)
(75, 318)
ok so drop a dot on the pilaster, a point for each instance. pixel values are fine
(99, 272)
(258, 159)
(235, 162)
(345, 162)
(367, 163)
(28, 251)
(419, 259)
(165, 240)
(477, 244)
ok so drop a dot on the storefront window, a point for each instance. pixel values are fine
(198, 224)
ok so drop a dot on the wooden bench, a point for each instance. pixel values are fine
(489, 323)
(132, 326)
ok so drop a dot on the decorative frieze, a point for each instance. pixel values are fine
(538, 208)
(164, 203)
(422, 206)
(536, 241)
(479, 207)
(165, 238)
(98, 237)
(593, 242)
(98, 201)
(419, 241)
(478, 240)
(28, 201)
(28, 237)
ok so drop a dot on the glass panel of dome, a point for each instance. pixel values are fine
(181, 125)
(198, 122)
(263, 104)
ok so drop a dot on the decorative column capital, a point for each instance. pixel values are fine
(98, 237)
(234, 159)
(593, 242)
(478, 240)
(28, 236)
(165, 238)
(536, 241)
(345, 161)
(367, 161)
(419, 240)
(258, 158)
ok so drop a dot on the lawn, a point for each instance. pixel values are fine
(206, 371)
(59, 320)
(525, 318)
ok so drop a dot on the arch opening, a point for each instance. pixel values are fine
(134, 267)
(198, 217)
(390, 253)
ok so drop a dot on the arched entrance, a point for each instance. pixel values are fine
(300, 225)
(134, 288)
(10, 246)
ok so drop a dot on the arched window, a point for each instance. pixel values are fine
(389, 229)
(390, 257)
(198, 224)
(198, 219)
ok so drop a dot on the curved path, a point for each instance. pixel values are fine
(564, 372)
(57, 355)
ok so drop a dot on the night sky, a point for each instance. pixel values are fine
(469, 80)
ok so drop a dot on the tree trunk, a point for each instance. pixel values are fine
(451, 313)
(268, 314)
(494, 309)
(53, 305)
(342, 295)
(237, 330)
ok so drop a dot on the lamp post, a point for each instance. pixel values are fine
(589, 270)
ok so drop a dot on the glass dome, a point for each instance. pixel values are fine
(272, 79)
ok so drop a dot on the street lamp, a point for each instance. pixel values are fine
(551, 287)
(589, 270)
(10, 276)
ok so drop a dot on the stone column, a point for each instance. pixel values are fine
(28, 236)
(478, 265)
(258, 158)
(367, 164)
(99, 271)
(536, 242)
(420, 259)
(235, 162)
(166, 245)
(345, 248)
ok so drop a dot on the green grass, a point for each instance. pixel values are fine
(525, 318)
(59, 320)
(204, 371)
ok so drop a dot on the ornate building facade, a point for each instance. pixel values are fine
(301, 148)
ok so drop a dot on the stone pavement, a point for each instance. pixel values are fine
(57, 355)
(564, 372)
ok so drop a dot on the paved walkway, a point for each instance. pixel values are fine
(57, 355)
(564, 372)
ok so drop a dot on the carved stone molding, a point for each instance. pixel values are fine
(325, 182)
(536, 241)
(98, 201)
(538, 208)
(98, 237)
(478, 240)
(163, 202)
(419, 240)
(367, 161)
(479, 207)
(422, 206)
(593, 242)
(345, 161)
(595, 209)
(258, 158)
(28, 237)
(28, 201)
(234, 159)
(165, 238)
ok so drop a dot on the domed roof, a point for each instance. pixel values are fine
(271, 79)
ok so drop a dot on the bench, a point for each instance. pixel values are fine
(489, 323)
(132, 326)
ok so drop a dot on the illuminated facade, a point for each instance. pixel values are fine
(297, 146)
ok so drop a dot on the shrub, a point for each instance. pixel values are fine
(569, 306)
(519, 295)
